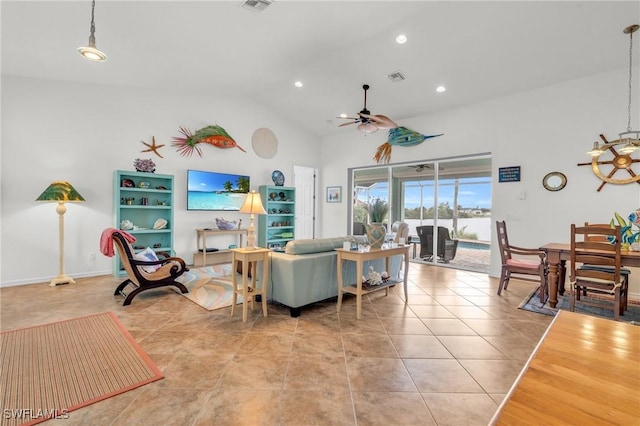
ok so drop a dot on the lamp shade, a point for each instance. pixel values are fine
(253, 204)
(60, 191)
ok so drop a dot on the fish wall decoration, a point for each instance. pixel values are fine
(214, 135)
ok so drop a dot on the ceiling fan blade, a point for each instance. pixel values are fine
(347, 124)
(349, 118)
(380, 121)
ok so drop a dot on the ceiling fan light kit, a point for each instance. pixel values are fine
(627, 143)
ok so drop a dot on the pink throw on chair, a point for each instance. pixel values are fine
(106, 240)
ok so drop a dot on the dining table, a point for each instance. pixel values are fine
(557, 256)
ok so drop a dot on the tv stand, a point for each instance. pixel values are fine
(205, 255)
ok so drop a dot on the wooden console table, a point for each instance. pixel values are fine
(220, 256)
(584, 371)
(360, 257)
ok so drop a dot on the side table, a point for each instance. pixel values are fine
(219, 256)
(359, 257)
(248, 289)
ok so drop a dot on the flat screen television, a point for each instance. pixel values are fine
(215, 191)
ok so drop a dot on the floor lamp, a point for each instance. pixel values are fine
(252, 205)
(61, 192)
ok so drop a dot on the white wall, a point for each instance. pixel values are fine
(82, 133)
(543, 130)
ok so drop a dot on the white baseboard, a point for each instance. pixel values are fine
(46, 280)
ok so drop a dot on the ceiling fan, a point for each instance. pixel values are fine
(369, 123)
(419, 168)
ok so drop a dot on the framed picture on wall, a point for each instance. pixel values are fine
(334, 194)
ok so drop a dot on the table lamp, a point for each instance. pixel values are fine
(61, 192)
(252, 205)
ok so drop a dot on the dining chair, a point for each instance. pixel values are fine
(624, 272)
(604, 276)
(514, 261)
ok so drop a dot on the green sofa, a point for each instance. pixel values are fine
(307, 271)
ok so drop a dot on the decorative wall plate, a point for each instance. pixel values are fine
(264, 143)
(278, 178)
(554, 181)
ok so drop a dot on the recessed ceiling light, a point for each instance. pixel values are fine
(343, 115)
(401, 39)
(298, 84)
(441, 89)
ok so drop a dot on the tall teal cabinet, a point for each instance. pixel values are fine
(277, 227)
(143, 205)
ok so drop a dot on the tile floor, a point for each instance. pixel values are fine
(448, 357)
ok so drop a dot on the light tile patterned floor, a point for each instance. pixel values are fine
(446, 358)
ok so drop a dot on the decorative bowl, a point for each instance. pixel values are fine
(160, 224)
(225, 224)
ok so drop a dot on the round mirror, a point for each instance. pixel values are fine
(554, 181)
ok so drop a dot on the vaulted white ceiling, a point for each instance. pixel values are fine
(477, 49)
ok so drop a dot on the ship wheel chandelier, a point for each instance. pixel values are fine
(621, 149)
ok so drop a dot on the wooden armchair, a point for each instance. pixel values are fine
(596, 266)
(138, 276)
(514, 262)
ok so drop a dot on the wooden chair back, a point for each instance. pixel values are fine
(503, 241)
(596, 266)
(596, 237)
(519, 264)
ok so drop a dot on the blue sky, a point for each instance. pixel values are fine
(209, 181)
(472, 193)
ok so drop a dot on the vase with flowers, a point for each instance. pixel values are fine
(144, 165)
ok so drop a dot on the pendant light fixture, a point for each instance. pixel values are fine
(620, 151)
(91, 52)
(629, 143)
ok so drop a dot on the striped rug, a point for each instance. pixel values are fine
(48, 370)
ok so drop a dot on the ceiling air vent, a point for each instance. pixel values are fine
(256, 5)
(397, 76)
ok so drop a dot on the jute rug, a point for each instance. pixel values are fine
(532, 303)
(49, 370)
(209, 286)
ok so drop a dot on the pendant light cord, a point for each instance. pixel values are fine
(92, 37)
(630, 76)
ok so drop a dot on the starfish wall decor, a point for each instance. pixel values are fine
(152, 147)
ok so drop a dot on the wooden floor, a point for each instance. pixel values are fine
(585, 370)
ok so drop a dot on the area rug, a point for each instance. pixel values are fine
(532, 303)
(52, 369)
(209, 286)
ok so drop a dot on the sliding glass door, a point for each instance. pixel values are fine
(447, 202)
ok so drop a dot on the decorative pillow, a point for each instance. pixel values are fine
(150, 256)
